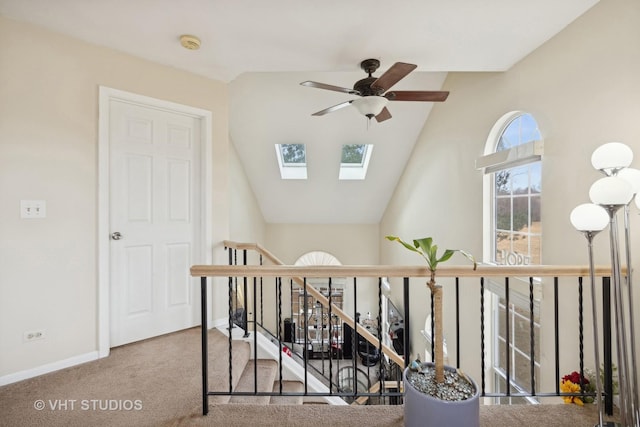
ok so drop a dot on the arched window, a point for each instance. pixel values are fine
(516, 199)
(512, 236)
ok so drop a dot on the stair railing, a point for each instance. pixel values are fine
(300, 274)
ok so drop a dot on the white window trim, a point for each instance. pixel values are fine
(290, 170)
(490, 163)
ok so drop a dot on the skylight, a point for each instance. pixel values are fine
(292, 160)
(355, 161)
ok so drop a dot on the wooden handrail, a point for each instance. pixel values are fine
(296, 273)
(395, 271)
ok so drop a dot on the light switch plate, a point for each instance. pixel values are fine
(30, 209)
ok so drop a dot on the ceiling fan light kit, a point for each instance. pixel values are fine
(370, 106)
(373, 101)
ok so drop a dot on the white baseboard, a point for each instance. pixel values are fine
(49, 367)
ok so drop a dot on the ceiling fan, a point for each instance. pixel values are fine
(374, 91)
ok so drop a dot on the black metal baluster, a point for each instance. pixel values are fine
(606, 332)
(245, 300)
(279, 316)
(330, 324)
(406, 335)
(230, 299)
(556, 323)
(532, 339)
(482, 349)
(457, 322)
(261, 298)
(255, 336)
(508, 334)
(581, 336)
(306, 335)
(380, 353)
(355, 341)
(433, 331)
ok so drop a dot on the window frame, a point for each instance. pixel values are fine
(491, 163)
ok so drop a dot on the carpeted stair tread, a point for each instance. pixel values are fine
(267, 370)
(287, 387)
(219, 368)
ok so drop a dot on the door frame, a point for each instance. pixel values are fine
(106, 95)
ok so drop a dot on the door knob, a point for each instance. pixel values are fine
(116, 235)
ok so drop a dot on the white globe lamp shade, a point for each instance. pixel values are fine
(370, 106)
(611, 157)
(589, 217)
(632, 176)
(611, 191)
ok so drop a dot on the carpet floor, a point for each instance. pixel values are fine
(157, 382)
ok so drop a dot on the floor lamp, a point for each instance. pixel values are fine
(632, 176)
(613, 193)
(591, 219)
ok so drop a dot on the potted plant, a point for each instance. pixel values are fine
(435, 394)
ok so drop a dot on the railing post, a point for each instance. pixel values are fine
(204, 337)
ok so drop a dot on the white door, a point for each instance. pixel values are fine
(154, 221)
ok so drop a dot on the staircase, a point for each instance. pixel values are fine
(244, 368)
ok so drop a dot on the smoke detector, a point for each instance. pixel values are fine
(190, 42)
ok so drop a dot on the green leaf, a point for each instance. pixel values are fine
(448, 253)
(405, 244)
(429, 251)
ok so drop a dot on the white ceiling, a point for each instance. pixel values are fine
(265, 48)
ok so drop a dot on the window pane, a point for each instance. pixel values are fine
(502, 354)
(293, 153)
(520, 180)
(535, 252)
(520, 213)
(503, 182)
(503, 213)
(353, 153)
(522, 371)
(501, 326)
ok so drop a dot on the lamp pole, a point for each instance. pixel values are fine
(590, 219)
(626, 408)
(632, 176)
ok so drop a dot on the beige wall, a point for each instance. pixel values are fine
(48, 150)
(246, 223)
(351, 244)
(583, 88)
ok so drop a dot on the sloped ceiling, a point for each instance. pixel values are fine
(264, 49)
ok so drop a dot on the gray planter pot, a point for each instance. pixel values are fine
(422, 410)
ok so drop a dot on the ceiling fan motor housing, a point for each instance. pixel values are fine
(365, 89)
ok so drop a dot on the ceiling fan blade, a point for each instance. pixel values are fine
(393, 75)
(384, 115)
(317, 85)
(331, 109)
(417, 95)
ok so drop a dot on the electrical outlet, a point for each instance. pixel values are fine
(33, 209)
(34, 335)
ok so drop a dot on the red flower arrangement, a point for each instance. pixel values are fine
(576, 383)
